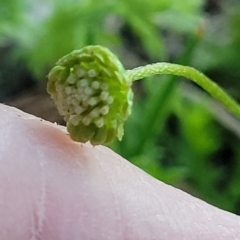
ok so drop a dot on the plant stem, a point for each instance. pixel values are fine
(158, 110)
(189, 73)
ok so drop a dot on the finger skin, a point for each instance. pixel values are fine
(54, 188)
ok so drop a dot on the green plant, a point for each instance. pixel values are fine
(93, 93)
(92, 118)
(156, 135)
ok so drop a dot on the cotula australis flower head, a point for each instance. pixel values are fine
(92, 92)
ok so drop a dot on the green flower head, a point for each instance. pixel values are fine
(91, 90)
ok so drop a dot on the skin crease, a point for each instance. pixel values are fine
(54, 188)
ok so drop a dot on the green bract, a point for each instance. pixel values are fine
(91, 90)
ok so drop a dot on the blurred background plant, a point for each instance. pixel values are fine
(176, 133)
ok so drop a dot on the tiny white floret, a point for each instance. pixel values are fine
(71, 79)
(68, 90)
(88, 91)
(93, 101)
(94, 113)
(104, 86)
(92, 73)
(75, 119)
(95, 85)
(82, 83)
(104, 110)
(87, 120)
(104, 95)
(79, 109)
(81, 72)
(99, 122)
(110, 100)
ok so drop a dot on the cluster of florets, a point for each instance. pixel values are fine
(91, 90)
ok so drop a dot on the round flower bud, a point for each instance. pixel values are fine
(92, 92)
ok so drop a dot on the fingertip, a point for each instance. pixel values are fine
(64, 189)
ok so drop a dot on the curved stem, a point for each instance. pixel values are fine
(190, 73)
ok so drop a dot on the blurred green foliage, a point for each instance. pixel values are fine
(42, 32)
(173, 138)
